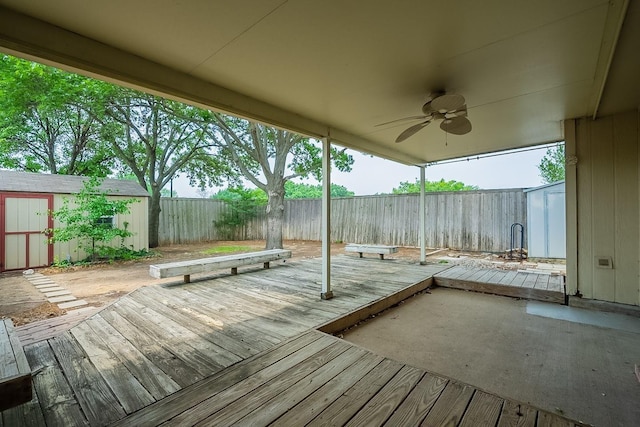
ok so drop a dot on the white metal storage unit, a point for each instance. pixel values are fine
(546, 224)
(26, 199)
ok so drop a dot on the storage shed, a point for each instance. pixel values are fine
(546, 232)
(26, 199)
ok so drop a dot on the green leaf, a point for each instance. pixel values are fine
(552, 165)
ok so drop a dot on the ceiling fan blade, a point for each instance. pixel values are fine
(412, 130)
(456, 126)
(404, 119)
(448, 102)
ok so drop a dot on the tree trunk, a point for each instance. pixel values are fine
(275, 216)
(154, 218)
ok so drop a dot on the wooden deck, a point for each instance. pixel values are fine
(520, 284)
(244, 350)
(317, 380)
(49, 328)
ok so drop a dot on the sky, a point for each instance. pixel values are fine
(373, 175)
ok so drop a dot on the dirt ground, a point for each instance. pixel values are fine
(101, 284)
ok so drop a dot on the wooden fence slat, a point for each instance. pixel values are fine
(468, 220)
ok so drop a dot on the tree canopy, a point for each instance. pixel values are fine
(295, 190)
(46, 121)
(433, 186)
(62, 123)
(292, 190)
(58, 122)
(155, 139)
(269, 157)
(552, 165)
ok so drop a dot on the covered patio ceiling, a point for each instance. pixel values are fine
(339, 68)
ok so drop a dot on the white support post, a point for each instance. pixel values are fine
(423, 218)
(571, 206)
(326, 293)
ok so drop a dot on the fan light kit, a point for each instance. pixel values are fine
(450, 108)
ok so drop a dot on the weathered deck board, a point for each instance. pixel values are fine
(342, 409)
(225, 320)
(15, 373)
(202, 329)
(229, 406)
(450, 407)
(517, 415)
(384, 403)
(519, 279)
(419, 402)
(54, 393)
(276, 401)
(323, 381)
(192, 353)
(150, 376)
(130, 393)
(518, 284)
(271, 362)
(49, 328)
(161, 356)
(483, 410)
(244, 350)
(329, 392)
(96, 399)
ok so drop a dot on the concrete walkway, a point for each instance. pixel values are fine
(576, 364)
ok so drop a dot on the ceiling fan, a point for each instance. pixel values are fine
(450, 108)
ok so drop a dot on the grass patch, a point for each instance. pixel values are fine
(226, 249)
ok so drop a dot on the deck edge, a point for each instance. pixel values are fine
(374, 307)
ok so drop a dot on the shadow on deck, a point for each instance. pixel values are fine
(244, 349)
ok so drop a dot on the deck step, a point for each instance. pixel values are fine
(517, 284)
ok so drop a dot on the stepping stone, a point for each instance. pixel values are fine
(49, 288)
(56, 293)
(73, 304)
(42, 282)
(63, 298)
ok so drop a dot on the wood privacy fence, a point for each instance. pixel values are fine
(469, 220)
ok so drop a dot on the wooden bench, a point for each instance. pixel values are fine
(187, 268)
(15, 373)
(381, 250)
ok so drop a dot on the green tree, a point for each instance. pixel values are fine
(432, 186)
(155, 139)
(295, 190)
(242, 206)
(46, 122)
(551, 166)
(88, 217)
(268, 158)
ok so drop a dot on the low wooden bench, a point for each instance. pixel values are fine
(15, 373)
(203, 265)
(381, 250)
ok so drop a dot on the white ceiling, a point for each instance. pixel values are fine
(339, 67)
